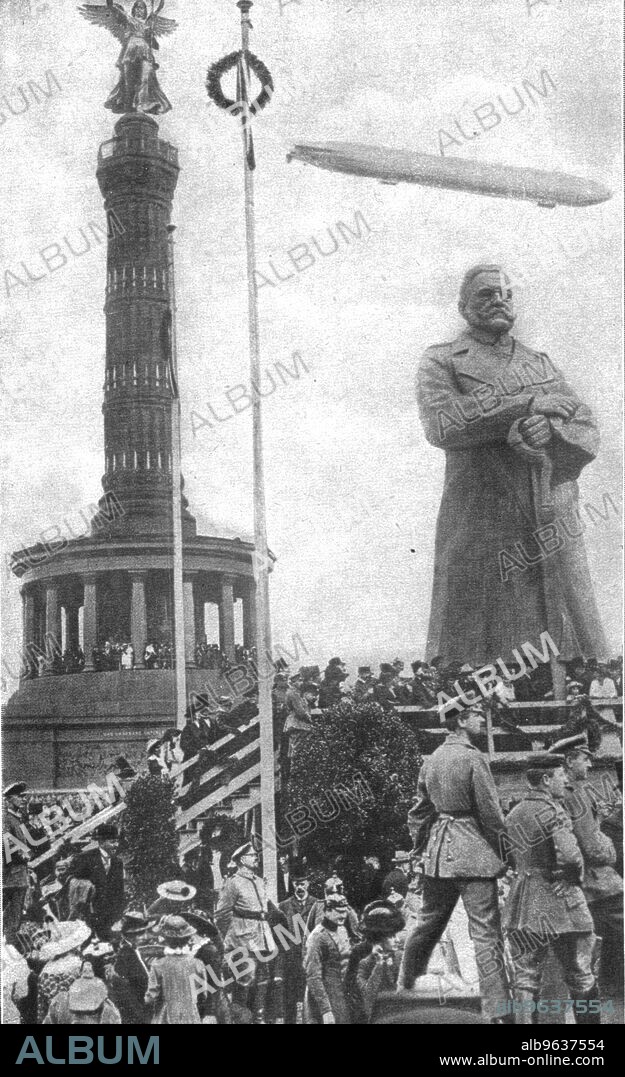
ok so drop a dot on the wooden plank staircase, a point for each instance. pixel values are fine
(227, 777)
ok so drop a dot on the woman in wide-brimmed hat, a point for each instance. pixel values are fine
(62, 961)
(372, 966)
(177, 985)
(174, 898)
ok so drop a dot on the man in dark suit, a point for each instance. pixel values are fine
(297, 910)
(399, 878)
(106, 872)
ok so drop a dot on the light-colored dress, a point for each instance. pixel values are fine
(15, 973)
(177, 980)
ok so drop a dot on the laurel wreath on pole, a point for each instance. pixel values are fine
(217, 71)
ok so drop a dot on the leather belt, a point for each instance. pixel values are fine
(249, 914)
(447, 815)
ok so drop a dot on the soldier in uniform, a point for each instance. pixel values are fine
(15, 856)
(602, 885)
(458, 826)
(324, 965)
(243, 916)
(546, 904)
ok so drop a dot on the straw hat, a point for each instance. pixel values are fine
(175, 890)
(67, 935)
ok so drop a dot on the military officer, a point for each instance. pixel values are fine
(602, 885)
(546, 904)
(15, 856)
(243, 917)
(458, 826)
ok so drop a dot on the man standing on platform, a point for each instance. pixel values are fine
(546, 905)
(602, 885)
(15, 858)
(516, 438)
(458, 827)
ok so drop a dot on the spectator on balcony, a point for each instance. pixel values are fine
(330, 689)
(128, 657)
(603, 687)
(385, 690)
(301, 698)
(150, 656)
(422, 693)
(364, 685)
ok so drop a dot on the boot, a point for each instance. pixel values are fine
(524, 1009)
(589, 1017)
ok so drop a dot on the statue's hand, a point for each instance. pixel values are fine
(554, 404)
(536, 431)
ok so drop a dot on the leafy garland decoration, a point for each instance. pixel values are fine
(216, 72)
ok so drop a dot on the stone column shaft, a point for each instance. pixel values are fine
(53, 621)
(249, 616)
(71, 615)
(138, 616)
(90, 623)
(188, 596)
(226, 619)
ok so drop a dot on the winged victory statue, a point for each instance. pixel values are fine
(138, 89)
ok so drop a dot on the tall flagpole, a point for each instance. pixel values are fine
(176, 476)
(261, 559)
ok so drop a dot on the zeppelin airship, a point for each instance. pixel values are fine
(454, 173)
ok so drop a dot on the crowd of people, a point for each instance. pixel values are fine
(213, 948)
(344, 942)
(119, 654)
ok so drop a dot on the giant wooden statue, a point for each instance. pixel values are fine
(510, 562)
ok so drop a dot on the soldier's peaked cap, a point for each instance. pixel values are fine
(543, 761)
(15, 789)
(243, 850)
(568, 745)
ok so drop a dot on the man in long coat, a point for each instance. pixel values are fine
(510, 562)
(15, 856)
(296, 909)
(458, 826)
(106, 871)
(243, 916)
(546, 905)
(602, 885)
(325, 1002)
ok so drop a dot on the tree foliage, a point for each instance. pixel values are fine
(353, 739)
(150, 836)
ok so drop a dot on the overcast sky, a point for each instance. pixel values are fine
(352, 486)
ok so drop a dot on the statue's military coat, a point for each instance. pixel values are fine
(488, 599)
